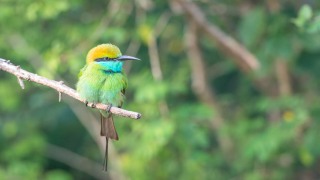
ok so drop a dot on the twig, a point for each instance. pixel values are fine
(154, 59)
(20, 81)
(60, 94)
(23, 74)
(283, 77)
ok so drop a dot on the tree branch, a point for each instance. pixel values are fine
(75, 161)
(201, 88)
(241, 56)
(5, 65)
(283, 77)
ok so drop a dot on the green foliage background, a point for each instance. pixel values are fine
(272, 134)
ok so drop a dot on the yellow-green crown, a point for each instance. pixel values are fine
(103, 50)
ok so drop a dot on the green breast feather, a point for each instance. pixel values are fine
(95, 85)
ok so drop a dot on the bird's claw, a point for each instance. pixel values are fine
(93, 105)
(109, 108)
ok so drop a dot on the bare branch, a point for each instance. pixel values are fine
(154, 59)
(200, 85)
(162, 23)
(241, 56)
(23, 74)
(75, 161)
(283, 77)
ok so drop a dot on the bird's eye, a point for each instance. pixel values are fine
(106, 59)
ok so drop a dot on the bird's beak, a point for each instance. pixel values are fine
(125, 58)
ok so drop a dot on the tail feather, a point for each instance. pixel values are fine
(109, 131)
(107, 127)
(103, 131)
(105, 161)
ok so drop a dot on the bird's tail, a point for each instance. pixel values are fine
(107, 127)
(109, 131)
(105, 161)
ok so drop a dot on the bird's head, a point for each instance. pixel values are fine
(109, 56)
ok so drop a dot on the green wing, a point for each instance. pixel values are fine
(125, 83)
(81, 71)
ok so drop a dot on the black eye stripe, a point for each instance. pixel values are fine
(105, 59)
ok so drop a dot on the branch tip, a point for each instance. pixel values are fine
(60, 94)
(20, 81)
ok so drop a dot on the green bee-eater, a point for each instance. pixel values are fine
(102, 80)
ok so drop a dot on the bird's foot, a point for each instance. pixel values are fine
(109, 108)
(93, 105)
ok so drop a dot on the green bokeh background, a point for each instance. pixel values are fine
(260, 124)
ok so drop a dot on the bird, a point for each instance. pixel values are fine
(102, 80)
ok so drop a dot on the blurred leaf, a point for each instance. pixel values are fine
(305, 14)
(274, 135)
(10, 129)
(305, 157)
(145, 33)
(252, 26)
(152, 92)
